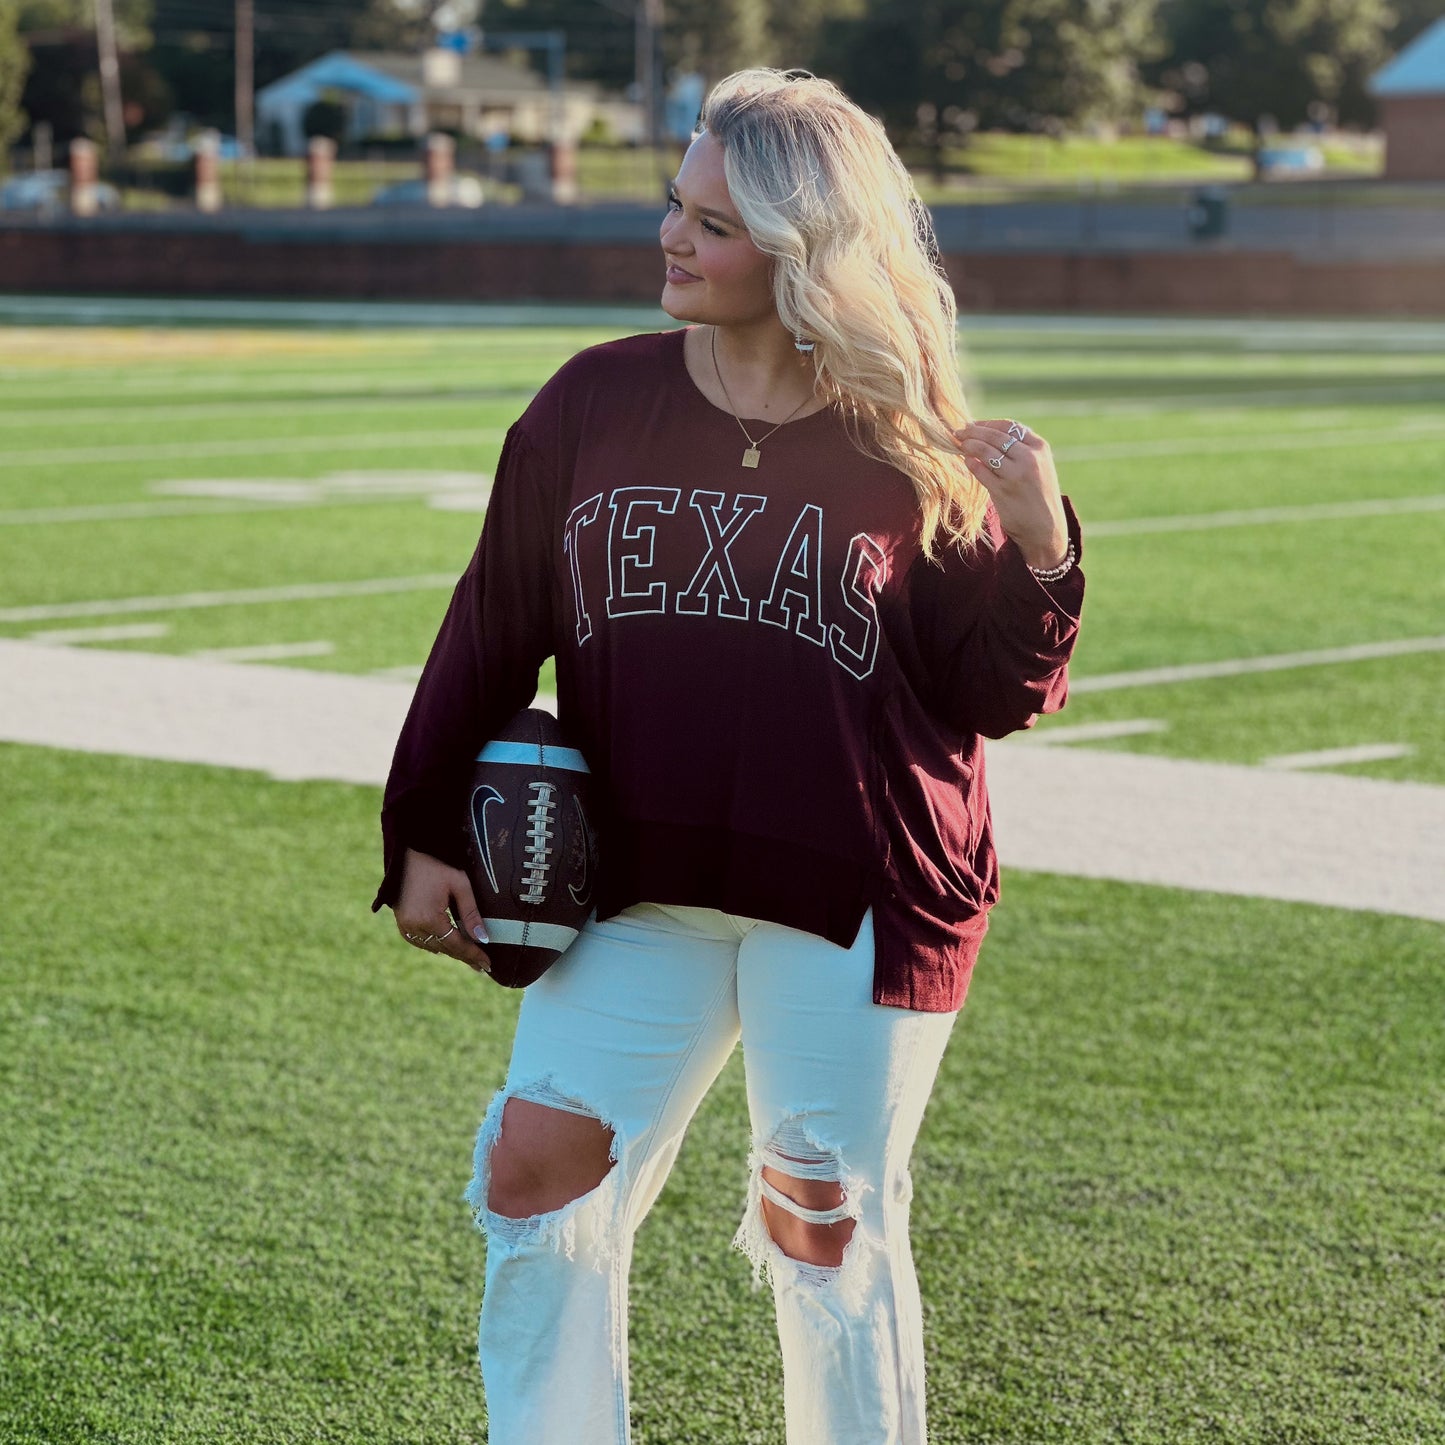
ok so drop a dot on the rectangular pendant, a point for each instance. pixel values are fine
(752, 457)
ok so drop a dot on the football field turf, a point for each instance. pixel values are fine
(1181, 1177)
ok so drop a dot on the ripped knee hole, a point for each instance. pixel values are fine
(545, 1157)
(810, 1220)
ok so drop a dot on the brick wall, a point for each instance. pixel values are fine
(218, 262)
(1414, 127)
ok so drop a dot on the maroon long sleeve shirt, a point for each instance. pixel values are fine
(783, 701)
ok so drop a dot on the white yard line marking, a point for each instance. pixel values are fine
(1237, 666)
(266, 651)
(1422, 429)
(170, 384)
(1266, 516)
(137, 511)
(329, 398)
(253, 446)
(241, 597)
(142, 511)
(1092, 732)
(1249, 332)
(445, 498)
(1141, 819)
(311, 406)
(138, 311)
(377, 482)
(456, 491)
(120, 632)
(1336, 757)
(1357, 396)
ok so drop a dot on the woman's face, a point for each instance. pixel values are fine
(715, 273)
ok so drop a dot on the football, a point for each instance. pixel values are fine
(531, 845)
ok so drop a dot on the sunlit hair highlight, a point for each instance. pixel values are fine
(856, 268)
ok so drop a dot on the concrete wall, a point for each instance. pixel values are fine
(219, 262)
(1414, 127)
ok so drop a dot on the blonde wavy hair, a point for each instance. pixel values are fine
(856, 268)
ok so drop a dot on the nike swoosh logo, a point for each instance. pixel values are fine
(488, 795)
(582, 894)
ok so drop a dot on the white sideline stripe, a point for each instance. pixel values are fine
(1421, 430)
(1265, 516)
(267, 651)
(1236, 667)
(120, 632)
(1090, 813)
(252, 446)
(1335, 757)
(291, 723)
(1098, 732)
(240, 597)
(1222, 828)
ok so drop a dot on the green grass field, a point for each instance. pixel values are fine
(1181, 1179)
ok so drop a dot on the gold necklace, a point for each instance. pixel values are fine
(752, 456)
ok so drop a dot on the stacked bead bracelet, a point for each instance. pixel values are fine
(1056, 574)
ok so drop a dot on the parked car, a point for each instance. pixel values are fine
(465, 191)
(47, 193)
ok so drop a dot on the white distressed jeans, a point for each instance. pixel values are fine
(631, 1026)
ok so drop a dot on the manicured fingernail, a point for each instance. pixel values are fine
(480, 934)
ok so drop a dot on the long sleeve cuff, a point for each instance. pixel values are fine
(1046, 601)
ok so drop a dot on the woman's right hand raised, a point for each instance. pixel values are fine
(437, 912)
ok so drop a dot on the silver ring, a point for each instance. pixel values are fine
(1013, 441)
(1017, 432)
(996, 462)
(442, 937)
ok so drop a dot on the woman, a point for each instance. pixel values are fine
(783, 611)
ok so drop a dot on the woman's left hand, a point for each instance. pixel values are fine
(1024, 486)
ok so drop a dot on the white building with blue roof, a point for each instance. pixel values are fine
(387, 94)
(1410, 93)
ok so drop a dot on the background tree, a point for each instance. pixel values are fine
(711, 37)
(716, 37)
(796, 28)
(132, 18)
(63, 86)
(14, 66)
(1411, 17)
(325, 117)
(1284, 59)
(599, 34)
(953, 65)
(410, 25)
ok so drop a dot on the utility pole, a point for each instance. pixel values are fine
(246, 75)
(109, 77)
(648, 32)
